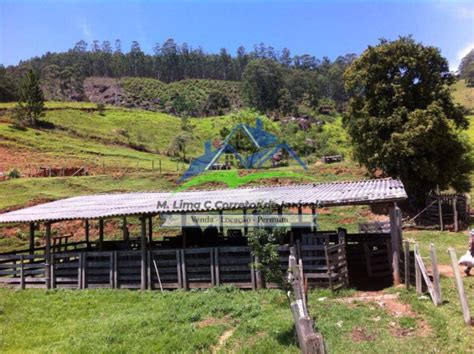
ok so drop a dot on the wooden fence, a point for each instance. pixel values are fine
(166, 269)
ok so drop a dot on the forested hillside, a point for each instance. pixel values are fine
(302, 79)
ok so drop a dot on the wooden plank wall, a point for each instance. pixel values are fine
(167, 269)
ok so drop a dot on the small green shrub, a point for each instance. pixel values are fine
(14, 173)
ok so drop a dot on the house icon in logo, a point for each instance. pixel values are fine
(265, 146)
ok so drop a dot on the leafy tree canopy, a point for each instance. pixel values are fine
(31, 104)
(262, 84)
(402, 119)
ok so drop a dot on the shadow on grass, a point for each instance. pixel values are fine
(287, 337)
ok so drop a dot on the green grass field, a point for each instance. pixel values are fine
(464, 95)
(120, 321)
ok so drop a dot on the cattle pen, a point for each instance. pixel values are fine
(199, 258)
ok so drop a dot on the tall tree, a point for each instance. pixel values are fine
(402, 119)
(262, 84)
(30, 107)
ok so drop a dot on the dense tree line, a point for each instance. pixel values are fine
(171, 62)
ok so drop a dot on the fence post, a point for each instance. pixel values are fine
(455, 214)
(160, 165)
(440, 209)
(79, 271)
(22, 272)
(460, 287)
(435, 271)
(407, 264)
(417, 273)
(48, 256)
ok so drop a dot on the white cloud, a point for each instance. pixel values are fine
(86, 31)
(454, 64)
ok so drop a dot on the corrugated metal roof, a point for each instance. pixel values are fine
(110, 205)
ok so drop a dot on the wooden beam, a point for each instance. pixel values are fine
(47, 253)
(221, 222)
(150, 231)
(183, 230)
(300, 215)
(460, 287)
(395, 232)
(125, 229)
(246, 226)
(313, 214)
(32, 238)
(86, 231)
(101, 233)
(143, 252)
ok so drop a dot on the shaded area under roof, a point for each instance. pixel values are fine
(128, 204)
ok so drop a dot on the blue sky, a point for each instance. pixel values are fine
(321, 28)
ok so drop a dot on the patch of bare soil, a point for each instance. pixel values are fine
(212, 321)
(392, 305)
(360, 335)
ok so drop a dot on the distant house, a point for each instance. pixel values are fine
(267, 147)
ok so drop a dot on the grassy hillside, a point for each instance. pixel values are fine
(464, 95)
(78, 134)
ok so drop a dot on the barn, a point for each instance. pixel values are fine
(202, 257)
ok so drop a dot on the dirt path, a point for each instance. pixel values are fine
(223, 339)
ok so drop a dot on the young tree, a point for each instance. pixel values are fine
(30, 106)
(402, 119)
(262, 84)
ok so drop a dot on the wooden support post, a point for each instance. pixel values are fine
(116, 283)
(143, 252)
(178, 269)
(86, 230)
(160, 166)
(47, 254)
(101, 233)
(79, 270)
(184, 277)
(183, 230)
(32, 238)
(53, 272)
(435, 272)
(300, 215)
(148, 270)
(258, 276)
(217, 274)
(395, 233)
(84, 271)
(221, 223)
(313, 214)
(418, 283)
(152, 165)
(460, 287)
(246, 225)
(407, 264)
(455, 214)
(125, 229)
(280, 210)
(150, 232)
(440, 209)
